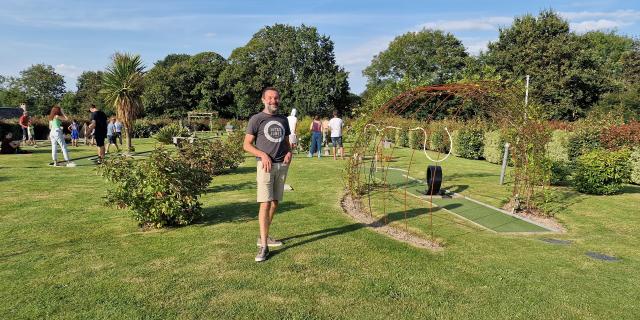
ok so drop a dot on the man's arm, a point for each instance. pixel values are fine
(249, 147)
(289, 155)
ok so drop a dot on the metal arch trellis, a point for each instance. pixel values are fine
(418, 98)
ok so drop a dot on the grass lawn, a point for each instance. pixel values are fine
(65, 255)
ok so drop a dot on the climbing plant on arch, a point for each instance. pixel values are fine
(413, 110)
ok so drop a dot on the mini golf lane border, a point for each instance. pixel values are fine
(425, 198)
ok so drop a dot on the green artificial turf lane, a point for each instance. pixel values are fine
(482, 215)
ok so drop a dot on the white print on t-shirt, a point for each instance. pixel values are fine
(274, 131)
(336, 127)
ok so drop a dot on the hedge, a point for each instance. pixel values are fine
(634, 163)
(583, 141)
(601, 171)
(469, 143)
(493, 150)
(558, 146)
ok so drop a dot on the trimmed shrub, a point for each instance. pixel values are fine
(401, 138)
(304, 134)
(415, 139)
(468, 143)
(558, 146)
(560, 172)
(165, 134)
(634, 163)
(161, 190)
(601, 171)
(582, 141)
(438, 140)
(214, 156)
(621, 136)
(493, 150)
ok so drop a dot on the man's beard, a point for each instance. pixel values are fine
(272, 108)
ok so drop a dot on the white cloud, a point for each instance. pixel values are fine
(484, 24)
(583, 21)
(363, 53)
(618, 14)
(601, 24)
(69, 72)
(210, 34)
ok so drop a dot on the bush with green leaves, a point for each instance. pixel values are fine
(558, 146)
(438, 138)
(583, 141)
(634, 163)
(469, 143)
(165, 134)
(560, 172)
(493, 150)
(161, 190)
(601, 172)
(214, 156)
(401, 138)
(415, 139)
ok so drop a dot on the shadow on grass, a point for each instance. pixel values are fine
(629, 188)
(232, 187)
(470, 175)
(457, 188)
(240, 212)
(316, 236)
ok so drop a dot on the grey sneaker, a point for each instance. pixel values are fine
(271, 242)
(263, 253)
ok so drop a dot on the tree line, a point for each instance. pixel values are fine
(571, 74)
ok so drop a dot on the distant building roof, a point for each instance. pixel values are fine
(9, 113)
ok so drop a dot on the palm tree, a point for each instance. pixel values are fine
(122, 86)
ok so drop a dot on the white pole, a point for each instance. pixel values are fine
(526, 94)
(526, 98)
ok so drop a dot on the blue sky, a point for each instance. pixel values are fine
(74, 36)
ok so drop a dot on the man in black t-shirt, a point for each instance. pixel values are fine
(270, 132)
(99, 124)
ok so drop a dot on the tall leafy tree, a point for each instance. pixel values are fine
(10, 93)
(565, 74)
(42, 86)
(297, 60)
(122, 86)
(89, 86)
(427, 56)
(180, 83)
(69, 103)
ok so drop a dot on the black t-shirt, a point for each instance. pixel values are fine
(270, 132)
(101, 122)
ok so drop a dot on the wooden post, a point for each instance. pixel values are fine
(504, 162)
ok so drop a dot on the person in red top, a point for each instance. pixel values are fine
(24, 124)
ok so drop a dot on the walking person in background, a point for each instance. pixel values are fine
(57, 136)
(24, 125)
(293, 124)
(111, 134)
(270, 132)
(336, 124)
(31, 136)
(118, 128)
(99, 127)
(325, 135)
(316, 137)
(75, 133)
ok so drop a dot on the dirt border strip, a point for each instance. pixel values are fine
(355, 209)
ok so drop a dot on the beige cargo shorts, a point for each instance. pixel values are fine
(271, 184)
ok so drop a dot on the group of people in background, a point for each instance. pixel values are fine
(320, 130)
(96, 130)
